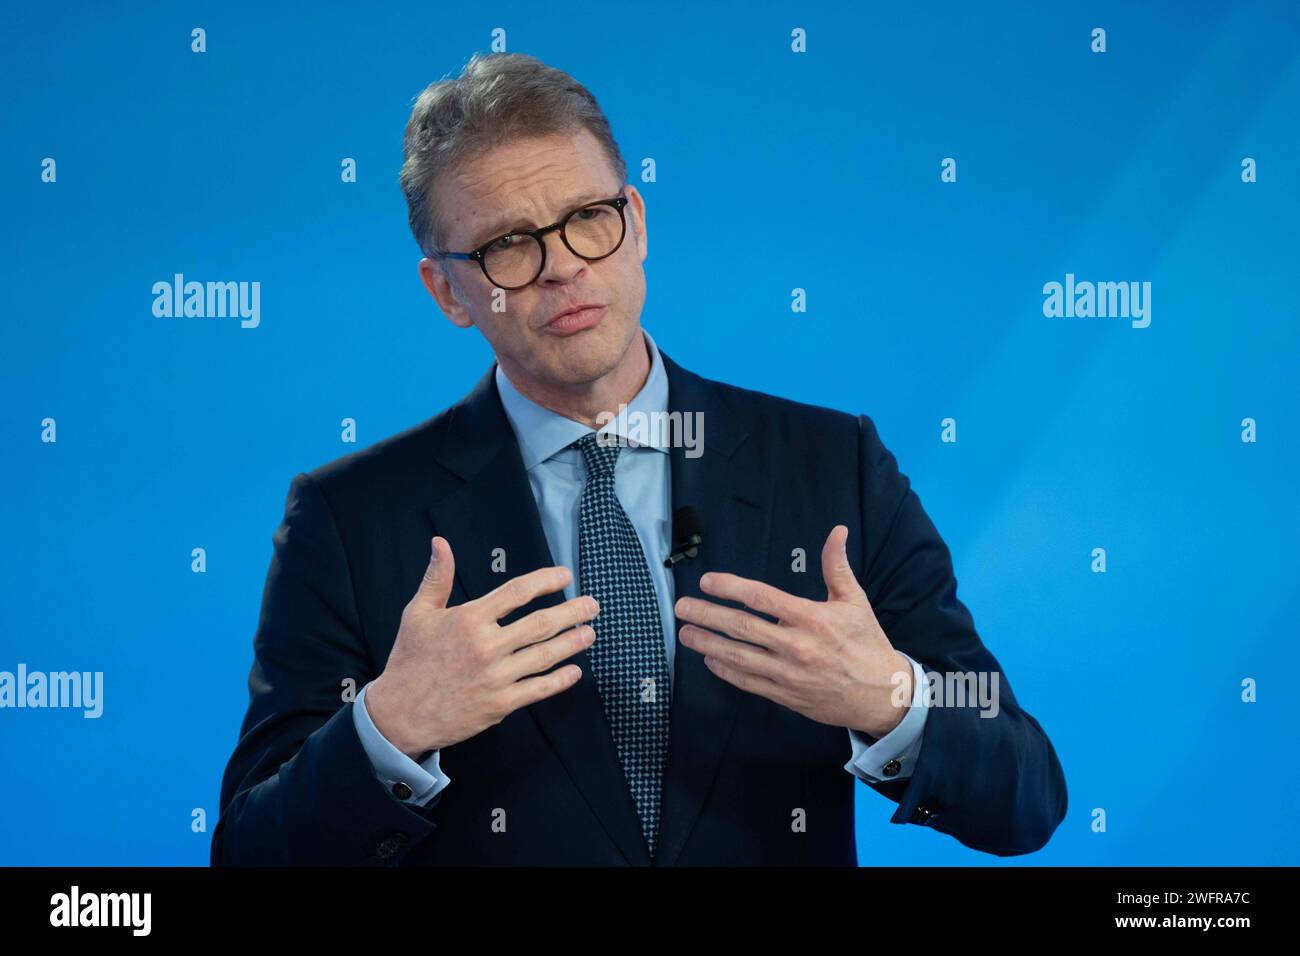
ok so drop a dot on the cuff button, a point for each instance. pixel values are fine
(892, 768)
(390, 845)
(401, 791)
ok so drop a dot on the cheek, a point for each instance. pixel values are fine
(512, 324)
(632, 287)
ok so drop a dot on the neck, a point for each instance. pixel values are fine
(584, 402)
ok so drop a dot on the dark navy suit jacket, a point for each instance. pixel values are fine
(775, 475)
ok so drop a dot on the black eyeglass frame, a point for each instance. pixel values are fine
(478, 255)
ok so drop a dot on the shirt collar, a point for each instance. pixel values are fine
(542, 432)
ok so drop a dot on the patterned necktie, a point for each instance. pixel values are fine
(628, 658)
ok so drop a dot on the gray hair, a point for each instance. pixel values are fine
(498, 97)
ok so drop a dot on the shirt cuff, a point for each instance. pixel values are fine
(893, 756)
(406, 780)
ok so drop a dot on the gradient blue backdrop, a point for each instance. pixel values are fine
(775, 171)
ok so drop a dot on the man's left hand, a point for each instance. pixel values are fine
(828, 660)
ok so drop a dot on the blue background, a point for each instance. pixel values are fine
(775, 171)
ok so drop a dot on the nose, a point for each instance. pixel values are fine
(561, 263)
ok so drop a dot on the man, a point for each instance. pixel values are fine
(547, 673)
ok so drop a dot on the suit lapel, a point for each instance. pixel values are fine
(732, 490)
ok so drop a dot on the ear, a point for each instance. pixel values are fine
(436, 281)
(636, 219)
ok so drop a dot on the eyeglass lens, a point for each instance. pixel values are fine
(592, 232)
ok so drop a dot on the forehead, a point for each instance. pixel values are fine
(523, 183)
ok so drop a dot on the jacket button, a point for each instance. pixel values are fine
(390, 845)
(923, 815)
(401, 791)
(892, 768)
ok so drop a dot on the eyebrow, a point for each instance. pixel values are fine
(506, 225)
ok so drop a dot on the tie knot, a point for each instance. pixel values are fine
(600, 458)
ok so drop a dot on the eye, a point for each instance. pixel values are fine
(504, 243)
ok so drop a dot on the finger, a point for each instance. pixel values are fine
(740, 624)
(543, 656)
(435, 586)
(532, 689)
(547, 621)
(841, 583)
(774, 602)
(750, 683)
(733, 653)
(517, 592)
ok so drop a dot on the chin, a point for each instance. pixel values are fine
(582, 370)
(580, 359)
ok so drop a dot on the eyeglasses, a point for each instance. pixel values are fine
(516, 259)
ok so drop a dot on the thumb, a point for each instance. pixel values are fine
(841, 585)
(435, 587)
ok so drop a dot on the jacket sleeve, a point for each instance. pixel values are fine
(992, 782)
(300, 788)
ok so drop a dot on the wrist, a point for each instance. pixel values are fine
(389, 727)
(888, 713)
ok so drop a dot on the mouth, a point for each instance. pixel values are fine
(575, 320)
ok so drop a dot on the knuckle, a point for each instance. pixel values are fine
(577, 641)
(543, 623)
(468, 617)
(513, 590)
(481, 653)
(554, 648)
(820, 625)
(545, 657)
(533, 626)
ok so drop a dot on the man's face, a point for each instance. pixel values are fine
(527, 184)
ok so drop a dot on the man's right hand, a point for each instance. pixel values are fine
(454, 671)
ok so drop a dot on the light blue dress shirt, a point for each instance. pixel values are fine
(642, 481)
